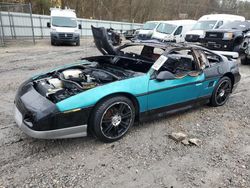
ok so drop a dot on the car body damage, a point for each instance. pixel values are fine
(132, 81)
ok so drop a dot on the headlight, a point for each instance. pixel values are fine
(53, 30)
(150, 32)
(228, 36)
(203, 34)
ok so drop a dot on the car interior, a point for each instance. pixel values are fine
(181, 63)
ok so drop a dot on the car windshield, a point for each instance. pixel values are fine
(204, 25)
(64, 22)
(166, 28)
(238, 25)
(149, 25)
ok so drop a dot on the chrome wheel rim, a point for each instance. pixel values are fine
(116, 120)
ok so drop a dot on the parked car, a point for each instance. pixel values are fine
(131, 34)
(209, 22)
(245, 47)
(229, 37)
(145, 33)
(64, 27)
(173, 31)
(105, 94)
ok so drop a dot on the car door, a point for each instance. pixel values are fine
(175, 91)
(178, 34)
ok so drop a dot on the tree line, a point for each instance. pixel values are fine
(141, 10)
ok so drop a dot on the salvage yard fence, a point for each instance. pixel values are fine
(18, 22)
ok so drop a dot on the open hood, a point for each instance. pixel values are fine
(101, 41)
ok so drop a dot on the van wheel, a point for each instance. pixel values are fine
(112, 118)
(78, 42)
(53, 43)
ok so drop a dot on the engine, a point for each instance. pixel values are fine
(63, 84)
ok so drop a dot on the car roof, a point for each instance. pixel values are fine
(162, 45)
(221, 17)
(179, 22)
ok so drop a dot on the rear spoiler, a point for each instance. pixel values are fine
(233, 55)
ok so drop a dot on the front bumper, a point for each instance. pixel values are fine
(70, 132)
(65, 37)
(218, 44)
(38, 117)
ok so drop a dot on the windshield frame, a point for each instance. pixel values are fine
(61, 19)
(149, 25)
(174, 27)
(236, 23)
(214, 22)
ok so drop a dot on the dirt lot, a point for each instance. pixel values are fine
(145, 157)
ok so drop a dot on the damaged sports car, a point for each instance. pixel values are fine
(104, 95)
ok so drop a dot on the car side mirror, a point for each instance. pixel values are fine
(48, 24)
(165, 75)
(79, 26)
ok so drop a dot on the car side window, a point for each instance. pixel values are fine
(202, 59)
(220, 23)
(178, 30)
(181, 63)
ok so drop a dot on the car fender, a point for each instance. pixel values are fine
(133, 86)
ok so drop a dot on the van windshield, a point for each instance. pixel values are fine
(204, 25)
(149, 25)
(166, 28)
(64, 22)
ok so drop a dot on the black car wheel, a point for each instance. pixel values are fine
(221, 92)
(244, 60)
(112, 118)
(78, 42)
(52, 42)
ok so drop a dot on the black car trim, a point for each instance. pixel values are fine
(175, 107)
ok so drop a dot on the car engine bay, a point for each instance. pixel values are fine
(61, 84)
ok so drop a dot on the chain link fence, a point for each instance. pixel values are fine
(13, 27)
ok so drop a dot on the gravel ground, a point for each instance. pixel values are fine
(145, 157)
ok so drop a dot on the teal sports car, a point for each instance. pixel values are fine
(104, 95)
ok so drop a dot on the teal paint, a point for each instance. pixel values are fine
(133, 86)
(174, 91)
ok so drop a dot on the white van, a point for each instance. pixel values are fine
(173, 31)
(145, 33)
(208, 22)
(64, 26)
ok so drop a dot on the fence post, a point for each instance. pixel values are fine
(32, 26)
(41, 26)
(10, 22)
(13, 25)
(2, 30)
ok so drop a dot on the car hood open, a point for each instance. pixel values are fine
(101, 41)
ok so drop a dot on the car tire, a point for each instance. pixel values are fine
(221, 92)
(52, 42)
(112, 118)
(244, 60)
(78, 42)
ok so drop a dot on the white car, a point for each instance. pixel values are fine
(173, 31)
(64, 26)
(209, 22)
(145, 33)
